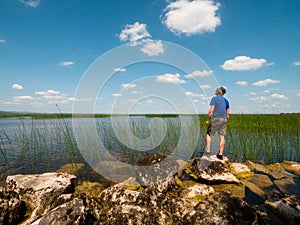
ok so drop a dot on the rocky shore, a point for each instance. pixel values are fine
(204, 191)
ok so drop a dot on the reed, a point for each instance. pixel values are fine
(50, 143)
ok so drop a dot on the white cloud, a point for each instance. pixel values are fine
(170, 78)
(116, 95)
(191, 94)
(127, 86)
(265, 98)
(134, 33)
(297, 63)
(2, 41)
(8, 103)
(278, 96)
(23, 98)
(31, 3)
(152, 48)
(66, 63)
(298, 94)
(259, 99)
(17, 86)
(198, 73)
(48, 92)
(265, 82)
(205, 86)
(242, 63)
(119, 69)
(137, 35)
(192, 17)
(241, 83)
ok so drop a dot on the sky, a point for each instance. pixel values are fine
(149, 56)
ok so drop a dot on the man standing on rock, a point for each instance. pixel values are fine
(218, 114)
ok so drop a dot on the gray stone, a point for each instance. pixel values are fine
(287, 208)
(40, 191)
(12, 209)
(213, 172)
(223, 208)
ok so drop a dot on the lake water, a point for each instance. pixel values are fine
(40, 145)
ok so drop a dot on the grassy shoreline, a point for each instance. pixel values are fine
(103, 115)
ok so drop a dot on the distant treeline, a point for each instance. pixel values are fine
(100, 115)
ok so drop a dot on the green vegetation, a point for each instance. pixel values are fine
(47, 141)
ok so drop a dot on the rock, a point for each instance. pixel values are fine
(240, 170)
(292, 166)
(151, 170)
(255, 189)
(197, 192)
(223, 208)
(40, 191)
(278, 171)
(12, 209)
(261, 180)
(287, 208)
(288, 186)
(212, 172)
(236, 190)
(72, 212)
(257, 167)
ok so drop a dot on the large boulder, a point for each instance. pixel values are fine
(209, 170)
(40, 191)
(151, 169)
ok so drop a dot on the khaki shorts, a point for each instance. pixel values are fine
(217, 124)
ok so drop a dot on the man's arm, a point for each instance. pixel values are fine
(209, 114)
(227, 114)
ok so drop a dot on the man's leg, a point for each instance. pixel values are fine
(222, 144)
(208, 142)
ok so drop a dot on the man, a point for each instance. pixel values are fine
(219, 113)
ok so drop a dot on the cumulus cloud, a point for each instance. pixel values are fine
(31, 3)
(137, 35)
(119, 69)
(242, 63)
(279, 96)
(127, 86)
(241, 83)
(116, 95)
(199, 73)
(297, 63)
(134, 33)
(259, 99)
(170, 78)
(17, 86)
(265, 98)
(152, 48)
(192, 17)
(265, 82)
(191, 94)
(66, 63)
(48, 92)
(2, 41)
(23, 98)
(205, 86)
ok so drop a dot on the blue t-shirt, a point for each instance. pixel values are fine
(221, 104)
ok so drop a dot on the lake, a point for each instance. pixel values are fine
(39, 145)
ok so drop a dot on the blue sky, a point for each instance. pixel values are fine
(251, 47)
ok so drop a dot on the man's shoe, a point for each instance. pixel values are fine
(220, 157)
